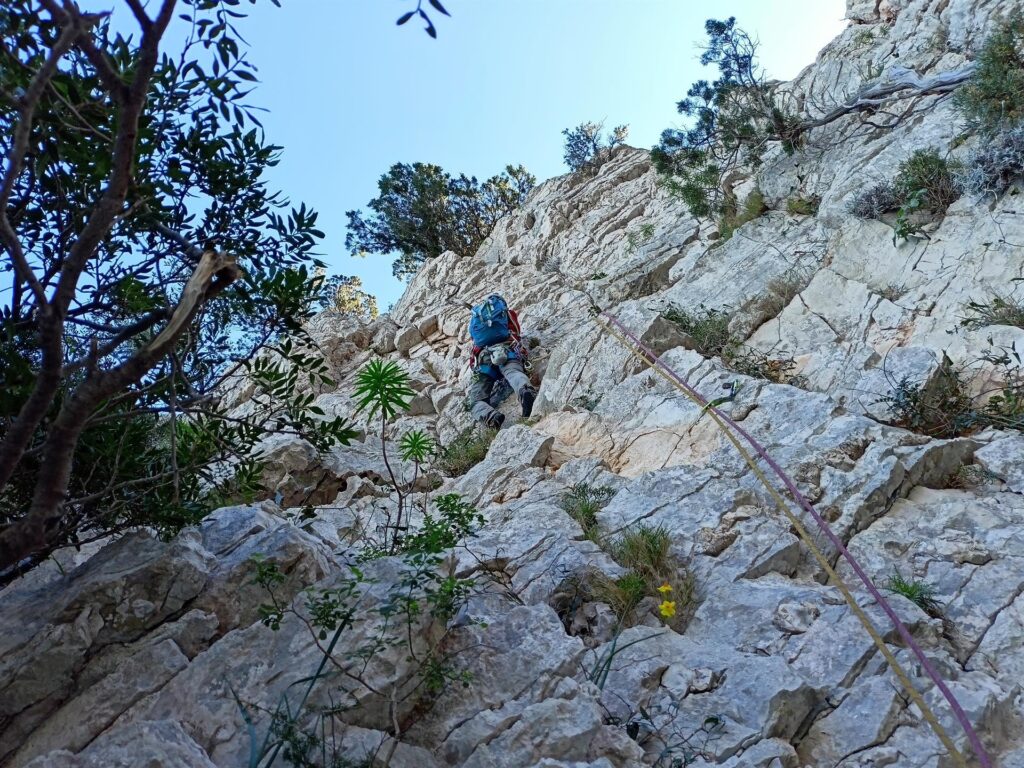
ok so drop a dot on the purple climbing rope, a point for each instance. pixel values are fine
(759, 449)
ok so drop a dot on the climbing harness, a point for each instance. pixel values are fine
(730, 429)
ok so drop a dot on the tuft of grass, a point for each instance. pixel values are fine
(651, 570)
(875, 200)
(893, 292)
(994, 97)
(780, 291)
(992, 168)
(969, 476)
(623, 594)
(929, 176)
(709, 328)
(644, 549)
(467, 450)
(864, 37)
(735, 217)
(1001, 310)
(803, 206)
(582, 502)
(917, 592)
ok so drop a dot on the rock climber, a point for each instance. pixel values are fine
(498, 353)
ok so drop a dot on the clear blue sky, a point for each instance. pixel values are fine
(349, 93)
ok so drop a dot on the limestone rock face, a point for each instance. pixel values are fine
(147, 652)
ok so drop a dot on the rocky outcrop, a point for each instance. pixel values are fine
(143, 651)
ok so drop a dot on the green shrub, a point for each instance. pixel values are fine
(924, 181)
(999, 311)
(733, 119)
(992, 168)
(803, 206)
(1004, 408)
(944, 407)
(349, 626)
(456, 521)
(639, 237)
(940, 408)
(733, 218)
(709, 328)
(623, 594)
(875, 200)
(586, 402)
(994, 97)
(928, 173)
(586, 147)
(645, 549)
(917, 592)
(423, 211)
(467, 450)
(582, 502)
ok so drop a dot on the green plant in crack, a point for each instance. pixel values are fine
(639, 237)
(999, 310)
(465, 451)
(709, 328)
(735, 216)
(945, 407)
(383, 391)
(622, 595)
(994, 96)
(582, 502)
(917, 592)
(803, 206)
(352, 622)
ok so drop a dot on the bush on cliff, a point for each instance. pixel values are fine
(147, 259)
(423, 211)
(993, 100)
(586, 146)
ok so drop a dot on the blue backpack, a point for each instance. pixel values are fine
(490, 322)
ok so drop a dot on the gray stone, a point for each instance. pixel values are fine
(91, 712)
(406, 339)
(1004, 458)
(145, 744)
(865, 718)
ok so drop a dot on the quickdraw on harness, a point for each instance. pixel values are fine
(730, 429)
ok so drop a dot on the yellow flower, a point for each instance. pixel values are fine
(664, 589)
(667, 609)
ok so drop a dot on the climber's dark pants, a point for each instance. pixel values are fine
(480, 389)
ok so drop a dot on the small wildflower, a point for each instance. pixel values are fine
(665, 589)
(667, 609)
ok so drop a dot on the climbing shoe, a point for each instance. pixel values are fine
(495, 420)
(526, 398)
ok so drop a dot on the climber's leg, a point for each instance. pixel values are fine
(516, 376)
(479, 391)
